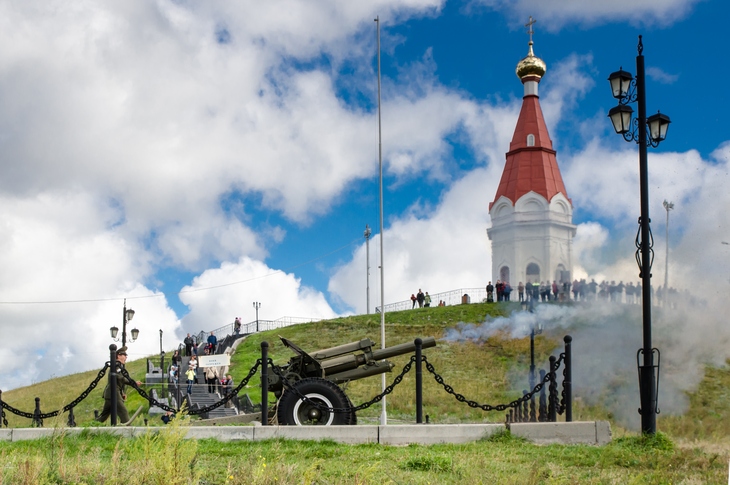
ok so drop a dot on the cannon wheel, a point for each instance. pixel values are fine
(292, 410)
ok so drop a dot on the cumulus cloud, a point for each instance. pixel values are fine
(555, 14)
(142, 136)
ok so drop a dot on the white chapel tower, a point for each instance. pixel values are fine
(532, 217)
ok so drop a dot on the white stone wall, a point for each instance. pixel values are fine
(531, 231)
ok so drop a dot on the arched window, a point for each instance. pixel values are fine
(530, 140)
(533, 273)
(504, 273)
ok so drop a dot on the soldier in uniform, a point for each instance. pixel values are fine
(122, 413)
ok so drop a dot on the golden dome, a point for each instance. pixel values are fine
(531, 66)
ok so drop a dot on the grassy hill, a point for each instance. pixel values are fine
(493, 371)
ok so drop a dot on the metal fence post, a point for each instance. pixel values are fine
(113, 382)
(71, 419)
(419, 381)
(2, 411)
(543, 403)
(553, 394)
(568, 379)
(37, 421)
(264, 383)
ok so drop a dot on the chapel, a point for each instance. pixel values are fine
(532, 216)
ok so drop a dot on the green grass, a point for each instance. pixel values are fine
(101, 459)
(691, 449)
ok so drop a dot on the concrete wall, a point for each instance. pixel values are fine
(585, 432)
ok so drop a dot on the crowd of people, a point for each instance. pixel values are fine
(577, 290)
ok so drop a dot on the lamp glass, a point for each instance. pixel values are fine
(135, 333)
(130, 314)
(658, 125)
(620, 83)
(114, 331)
(621, 118)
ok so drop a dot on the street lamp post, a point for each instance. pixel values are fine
(627, 90)
(257, 305)
(668, 206)
(367, 234)
(127, 315)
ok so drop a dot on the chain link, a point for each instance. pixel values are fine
(67, 407)
(486, 407)
(232, 393)
(397, 380)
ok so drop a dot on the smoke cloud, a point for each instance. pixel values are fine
(606, 338)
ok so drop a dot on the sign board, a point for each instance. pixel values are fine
(214, 360)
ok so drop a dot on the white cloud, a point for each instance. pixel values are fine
(555, 14)
(244, 282)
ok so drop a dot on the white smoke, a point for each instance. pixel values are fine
(606, 338)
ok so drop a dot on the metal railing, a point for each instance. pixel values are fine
(253, 327)
(452, 297)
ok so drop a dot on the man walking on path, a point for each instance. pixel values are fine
(122, 412)
(420, 297)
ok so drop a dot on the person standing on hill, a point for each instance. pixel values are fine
(490, 292)
(122, 381)
(427, 300)
(413, 300)
(521, 291)
(420, 297)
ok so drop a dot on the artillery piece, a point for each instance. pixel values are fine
(316, 376)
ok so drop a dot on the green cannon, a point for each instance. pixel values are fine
(317, 375)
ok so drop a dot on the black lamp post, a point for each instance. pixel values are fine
(536, 330)
(257, 305)
(627, 90)
(127, 315)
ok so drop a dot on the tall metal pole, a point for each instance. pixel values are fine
(668, 206)
(124, 324)
(647, 374)
(383, 415)
(367, 234)
(257, 305)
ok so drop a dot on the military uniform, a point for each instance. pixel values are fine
(122, 413)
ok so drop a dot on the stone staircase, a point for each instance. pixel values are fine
(201, 397)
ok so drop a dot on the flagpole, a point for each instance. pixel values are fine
(383, 414)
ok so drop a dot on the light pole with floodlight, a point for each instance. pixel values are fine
(627, 90)
(127, 315)
(257, 305)
(367, 234)
(668, 206)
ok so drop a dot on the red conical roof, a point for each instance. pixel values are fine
(530, 168)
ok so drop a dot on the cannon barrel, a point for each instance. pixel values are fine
(353, 361)
(401, 349)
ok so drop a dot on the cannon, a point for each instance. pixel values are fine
(317, 375)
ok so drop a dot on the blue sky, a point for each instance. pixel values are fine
(151, 148)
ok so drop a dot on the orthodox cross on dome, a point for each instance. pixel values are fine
(529, 27)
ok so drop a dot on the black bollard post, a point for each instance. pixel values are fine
(71, 419)
(264, 383)
(419, 381)
(553, 394)
(525, 408)
(568, 379)
(2, 410)
(113, 383)
(37, 421)
(543, 403)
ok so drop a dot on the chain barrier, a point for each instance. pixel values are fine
(488, 407)
(398, 379)
(67, 407)
(230, 395)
